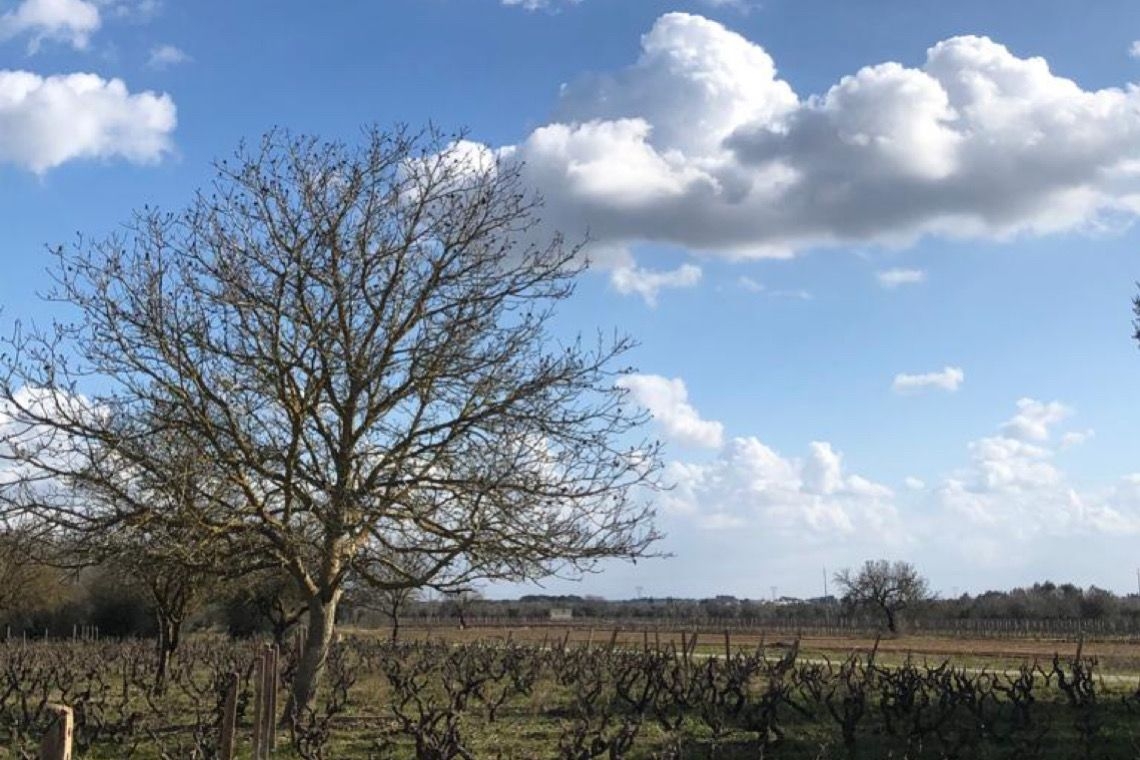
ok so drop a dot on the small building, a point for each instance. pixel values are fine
(561, 613)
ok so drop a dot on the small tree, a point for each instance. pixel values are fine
(884, 586)
(394, 594)
(148, 537)
(175, 587)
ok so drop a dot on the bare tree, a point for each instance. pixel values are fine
(174, 571)
(145, 525)
(358, 343)
(884, 586)
(395, 594)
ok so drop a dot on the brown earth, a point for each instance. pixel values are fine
(1117, 655)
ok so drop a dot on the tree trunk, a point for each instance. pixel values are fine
(395, 625)
(322, 621)
(890, 620)
(280, 627)
(168, 635)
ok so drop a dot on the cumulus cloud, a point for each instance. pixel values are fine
(811, 498)
(647, 284)
(1009, 505)
(68, 21)
(1013, 484)
(1134, 49)
(165, 56)
(700, 143)
(47, 121)
(1034, 418)
(750, 484)
(949, 379)
(668, 401)
(893, 278)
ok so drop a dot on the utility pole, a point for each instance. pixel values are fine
(825, 595)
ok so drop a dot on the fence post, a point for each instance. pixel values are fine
(258, 702)
(271, 679)
(229, 720)
(56, 744)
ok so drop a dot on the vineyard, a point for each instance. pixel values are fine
(608, 698)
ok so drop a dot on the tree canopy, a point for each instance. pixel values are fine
(355, 345)
(885, 586)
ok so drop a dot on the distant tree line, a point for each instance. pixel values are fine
(1044, 601)
(135, 598)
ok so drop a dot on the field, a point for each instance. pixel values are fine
(1119, 656)
(577, 692)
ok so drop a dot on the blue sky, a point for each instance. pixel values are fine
(879, 255)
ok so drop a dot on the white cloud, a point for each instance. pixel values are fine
(1009, 507)
(752, 485)
(1012, 486)
(534, 5)
(69, 21)
(647, 284)
(749, 484)
(1034, 418)
(755, 286)
(165, 56)
(798, 295)
(699, 143)
(1134, 49)
(949, 379)
(47, 121)
(138, 11)
(751, 285)
(893, 278)
(668, 401)
(1076, 438)
(741, 6)
(1010, 464)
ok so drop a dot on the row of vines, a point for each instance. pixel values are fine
(435, 700)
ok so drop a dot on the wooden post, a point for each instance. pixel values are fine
(258, 708)
(271, 680)
(56, 744)
(229, 720)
